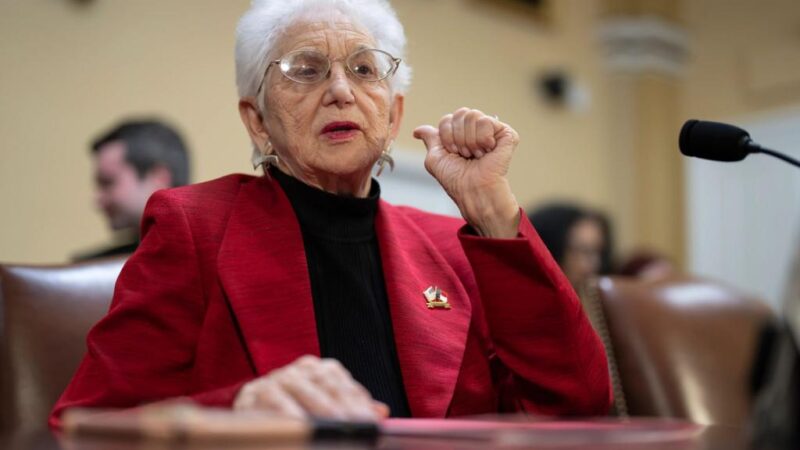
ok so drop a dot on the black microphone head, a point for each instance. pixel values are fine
(714, 140)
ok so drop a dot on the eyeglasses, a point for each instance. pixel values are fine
(310, 66)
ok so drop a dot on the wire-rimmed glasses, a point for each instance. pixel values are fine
(311, 66)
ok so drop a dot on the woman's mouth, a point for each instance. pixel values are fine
(340, 131)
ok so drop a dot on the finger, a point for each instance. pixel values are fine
(331, 372)
(314, 400)
(485, 133)
(458, 132)
(505, 136)
(271, 398)
(246, 398)
(339, 390)
(381, 409)
(331, 376)
(446, 133)
(470, 131)
(263, 395)
(434, 146)
(356, 407)
(429, 135)
(306, 361)
(343, 389)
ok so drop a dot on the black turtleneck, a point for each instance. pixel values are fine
(352, 311)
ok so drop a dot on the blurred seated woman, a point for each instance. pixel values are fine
(301, 293)
(579, 239)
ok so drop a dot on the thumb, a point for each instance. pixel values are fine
(429, 135)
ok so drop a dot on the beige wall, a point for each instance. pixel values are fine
(467, 53)
(68, 71)
(745, 57)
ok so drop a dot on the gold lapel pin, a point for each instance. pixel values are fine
(436, 298)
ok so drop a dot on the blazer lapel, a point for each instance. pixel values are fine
(430, 342)
(263, 270)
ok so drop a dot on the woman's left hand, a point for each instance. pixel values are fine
(469, 155)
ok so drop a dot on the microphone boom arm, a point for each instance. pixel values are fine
(779, 155)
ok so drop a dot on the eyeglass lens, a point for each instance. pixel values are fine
(307, 66)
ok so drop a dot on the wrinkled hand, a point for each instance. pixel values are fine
(469, 155)
(311, 387)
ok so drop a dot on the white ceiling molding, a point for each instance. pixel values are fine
(644, 44)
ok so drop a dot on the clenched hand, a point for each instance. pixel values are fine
(311, 387)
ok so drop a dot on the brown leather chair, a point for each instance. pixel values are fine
(46, 313)
(683, 347)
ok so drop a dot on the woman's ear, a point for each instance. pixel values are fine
(396, 116)
(253, 122)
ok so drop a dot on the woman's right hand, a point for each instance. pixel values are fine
(311, 387)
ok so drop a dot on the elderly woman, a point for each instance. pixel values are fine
(302, 293)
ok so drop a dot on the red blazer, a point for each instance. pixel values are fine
(218, 294)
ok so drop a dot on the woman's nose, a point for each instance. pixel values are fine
(340, 87)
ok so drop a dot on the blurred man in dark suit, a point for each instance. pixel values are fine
(131, 161)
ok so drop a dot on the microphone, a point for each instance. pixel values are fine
(721, 142)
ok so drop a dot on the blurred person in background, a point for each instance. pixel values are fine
(647, 265)
(131, 161)
(579, 239)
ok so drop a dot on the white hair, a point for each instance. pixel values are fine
(262, 25)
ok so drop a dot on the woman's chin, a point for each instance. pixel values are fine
(346, 157)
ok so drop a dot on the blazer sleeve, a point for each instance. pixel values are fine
(549, 360)
(143, 349)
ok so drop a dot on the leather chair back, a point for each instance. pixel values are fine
(684, 347)
(46, 314)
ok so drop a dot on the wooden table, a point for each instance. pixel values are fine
(580, 435)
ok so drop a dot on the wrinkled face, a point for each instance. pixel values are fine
(338, 127)
(583, 254)
(120, 193)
